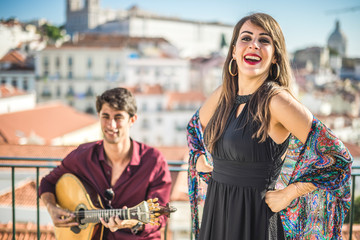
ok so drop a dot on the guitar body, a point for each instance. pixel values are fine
(72, 195)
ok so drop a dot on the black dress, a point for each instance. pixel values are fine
(244, 170)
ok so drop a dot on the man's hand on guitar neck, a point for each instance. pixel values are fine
(116, 223)
(59, 216)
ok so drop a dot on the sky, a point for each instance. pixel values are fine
(305, 23)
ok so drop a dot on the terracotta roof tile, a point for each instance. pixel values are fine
(14, 57)
(93, 40)
(10, 91)
(26, 231)
(25, 195)
(184, 98)
(190, 96)
(48, 122)
(46, 151)
(35, 151)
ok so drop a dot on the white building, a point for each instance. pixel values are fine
(163, 116)
(78, 71)
(22, 79)
(13, 34)
(171, 74)
(13, 99)
(192, 38)
(206, 73)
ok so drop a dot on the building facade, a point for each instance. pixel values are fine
(77, 72)
(192, 38)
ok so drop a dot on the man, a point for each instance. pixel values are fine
(121, 171)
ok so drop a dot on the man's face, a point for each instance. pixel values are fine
(115, 124)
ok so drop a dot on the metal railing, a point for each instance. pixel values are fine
(174, 166)
(352, 207)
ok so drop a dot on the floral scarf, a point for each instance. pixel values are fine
(323, 160)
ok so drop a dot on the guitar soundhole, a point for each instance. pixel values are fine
(80, 215)
(80, 218)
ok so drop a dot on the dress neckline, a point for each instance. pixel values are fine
(240, 99)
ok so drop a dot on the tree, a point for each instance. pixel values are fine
(52, 32)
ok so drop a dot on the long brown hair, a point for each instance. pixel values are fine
(259, 102)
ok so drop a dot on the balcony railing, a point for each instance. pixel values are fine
(174, 166)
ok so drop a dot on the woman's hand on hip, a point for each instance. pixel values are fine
(277, 200)
(202, 165)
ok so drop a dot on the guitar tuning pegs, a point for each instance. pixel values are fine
(155, 199)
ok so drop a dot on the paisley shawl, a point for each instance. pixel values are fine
(323, 160)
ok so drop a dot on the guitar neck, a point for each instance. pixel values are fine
(93, 216)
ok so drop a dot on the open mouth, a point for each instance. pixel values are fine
(111, 132)
(252, 59)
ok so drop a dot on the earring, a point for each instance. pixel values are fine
(277, 71)
(232, 74)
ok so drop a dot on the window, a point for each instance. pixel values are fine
(3, 81)
(89, 75)
(57, 62)
(89, 63)
(46, 91)
(57, 75)
(108, 64)
(70, 75)
(117, 65)
(90, 110)
(58, 91)
(89, 92)
(25, 84)
(145, 123)
(70, 92)
(46, 66)
(46, 62)
(158, 106)
(70, 61)
(14, 82)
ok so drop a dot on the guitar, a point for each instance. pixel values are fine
(72, 195)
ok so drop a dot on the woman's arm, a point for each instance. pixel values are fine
(288, 116)
(208, 108)
(205, 113)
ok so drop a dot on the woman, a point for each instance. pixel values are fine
(251, 123)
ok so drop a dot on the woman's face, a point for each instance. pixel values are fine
(253, 52)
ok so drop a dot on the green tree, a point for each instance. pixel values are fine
(52, 32)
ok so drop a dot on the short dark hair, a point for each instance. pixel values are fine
(119, 99)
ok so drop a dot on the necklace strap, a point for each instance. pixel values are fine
(241, 99)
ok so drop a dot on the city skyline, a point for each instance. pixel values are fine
(303, 26)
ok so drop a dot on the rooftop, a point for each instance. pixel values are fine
(46, 121)
(10, 91)
(95, 40)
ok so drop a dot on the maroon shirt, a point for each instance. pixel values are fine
(147, 176)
